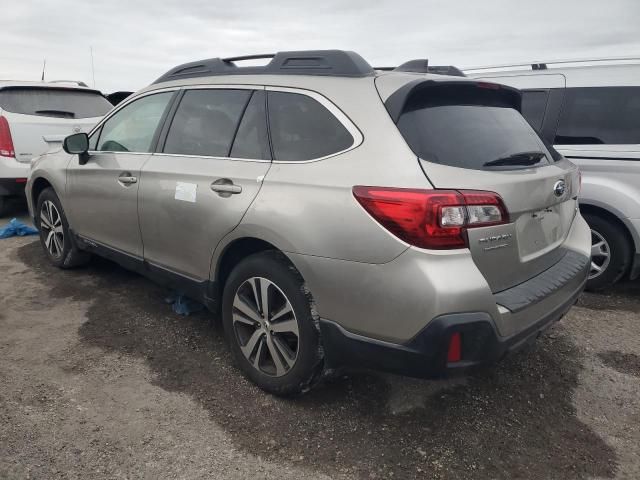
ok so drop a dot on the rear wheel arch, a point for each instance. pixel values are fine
(236, 251)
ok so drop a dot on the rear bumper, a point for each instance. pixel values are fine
(10, 171)
(11, 186)
(527, 310)
(425, 356)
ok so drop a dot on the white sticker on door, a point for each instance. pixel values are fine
(186, 191)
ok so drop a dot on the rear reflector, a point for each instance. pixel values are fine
(21, 180)
(6, 142)
(433, 219)
(454, 354)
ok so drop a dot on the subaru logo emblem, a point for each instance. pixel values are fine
(559, 188)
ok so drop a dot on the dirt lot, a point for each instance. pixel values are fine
(100, 379)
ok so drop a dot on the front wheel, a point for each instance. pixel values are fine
(610, 253)
(268, 322)
(55, 236)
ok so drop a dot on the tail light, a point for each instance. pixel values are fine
(6, 142)
(454, 352)
(434, 219)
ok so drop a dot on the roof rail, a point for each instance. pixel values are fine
(338, 63)
(422, 66)
(75, 82)
(544, 65)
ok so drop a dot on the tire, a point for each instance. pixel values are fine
(267, 361)
(612, 240)
(3, 205)
(58, 246)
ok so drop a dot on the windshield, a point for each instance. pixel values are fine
(54, 102)
(449, 129)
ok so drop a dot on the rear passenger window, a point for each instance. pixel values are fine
(205, 122)
(534, 104)
(600, 115)
(303, 129)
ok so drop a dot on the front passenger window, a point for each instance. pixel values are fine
(132, 129)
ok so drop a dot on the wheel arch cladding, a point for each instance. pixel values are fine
(39, 185)
(236, 251)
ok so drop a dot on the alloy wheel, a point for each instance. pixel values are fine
(51, 229)
(265, 326)
(600, 255)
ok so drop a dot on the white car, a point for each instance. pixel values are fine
(35, 114)
(590, 111)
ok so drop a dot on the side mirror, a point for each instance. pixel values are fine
(77, 144)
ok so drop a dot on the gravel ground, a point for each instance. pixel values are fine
(99, 379)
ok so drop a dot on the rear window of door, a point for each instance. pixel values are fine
(534, 105)
(206, 122)
(133, 128)
(54, 102)
(600, 115)
(252, 139)
(303, 129)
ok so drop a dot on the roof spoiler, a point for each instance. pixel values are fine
(422, 66)
(397, 101)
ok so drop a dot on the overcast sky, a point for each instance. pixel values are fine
(135, 41)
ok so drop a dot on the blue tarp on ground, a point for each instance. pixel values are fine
(15, 228)
(183, 305)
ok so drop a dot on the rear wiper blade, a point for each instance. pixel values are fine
(522, 158)
(59, 112)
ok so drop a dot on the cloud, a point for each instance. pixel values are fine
(134, 42)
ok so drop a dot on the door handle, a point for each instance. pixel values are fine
(127, 179)
(225, 187)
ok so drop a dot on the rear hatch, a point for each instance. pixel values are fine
(39, 116)
(471, 136)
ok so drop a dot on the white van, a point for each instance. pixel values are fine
(590, 111)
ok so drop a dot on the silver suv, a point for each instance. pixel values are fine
(334, 214)
(590, 111)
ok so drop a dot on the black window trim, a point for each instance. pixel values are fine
(156, 136)
(172, 112)
(341, 116)
(160, 136)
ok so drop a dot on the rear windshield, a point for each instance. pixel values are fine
(470, 127)
(54, 102)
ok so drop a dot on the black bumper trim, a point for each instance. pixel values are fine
(546, 283)
(9, 187)
(425, 356)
